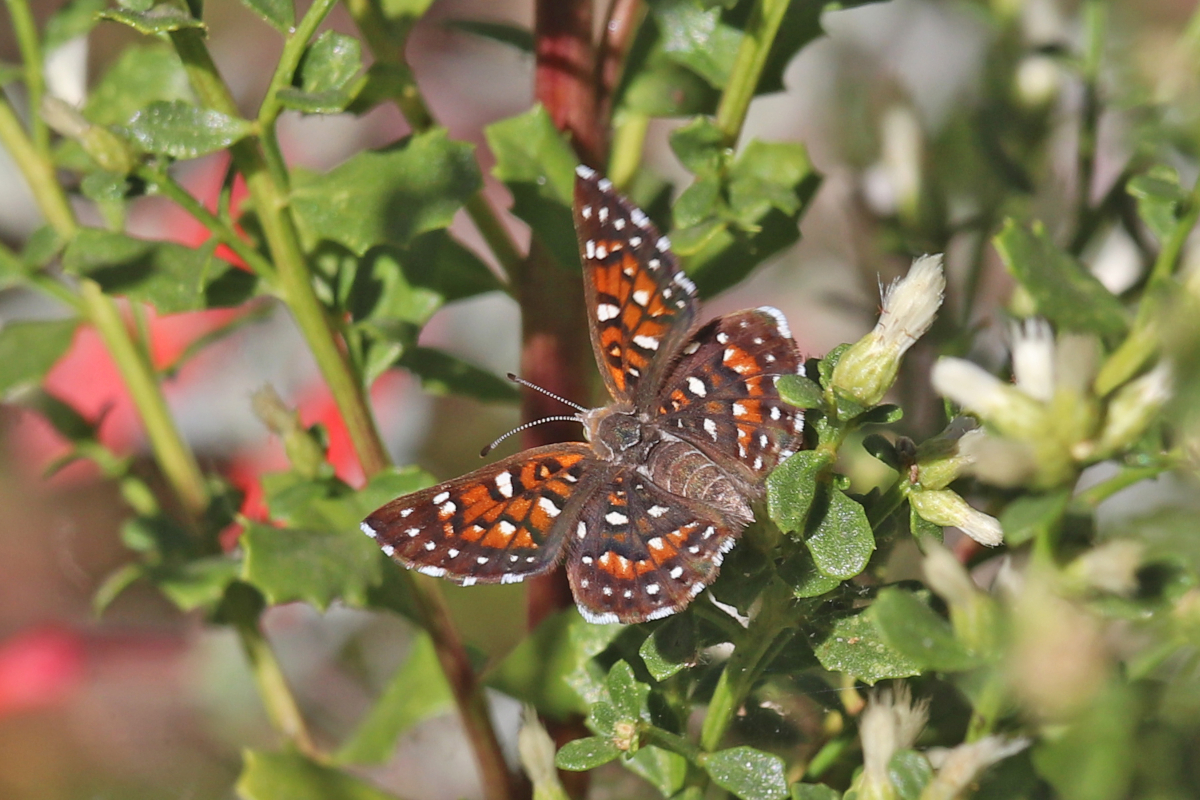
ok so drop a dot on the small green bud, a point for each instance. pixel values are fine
(947, 508)
(942, 459)
(107, 149)
(868, 368)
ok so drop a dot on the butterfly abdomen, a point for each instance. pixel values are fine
(683, 470)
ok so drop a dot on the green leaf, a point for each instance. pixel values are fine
(417, 691)
(114, 585)
(670, 647)
(181, 130)
(800, 572)
(800, 391)
(444, 374)
(627, 693)
(837, 534)
(162, 18)
(66, 421)
(1030, 516)
(330, 62)
(1093, 758)
(29, 349)
(195, 584)
(410, 284)
(586, 753)
(291, 776)
(658, 86)
(695, 36)
(511, 35)
(909, 772)
(538, 166)
(814, 791)
(700, 146)
(768, 188)
(144, 74)
(73, 19)
(855, 647)
(1159, 197)
(909, 627)
(543, 669)
(1064, 291)
(313, 566)
(750, 774)
(169, 276)
(279, 14)
(791, 488)
(388, 196)
(664, 770)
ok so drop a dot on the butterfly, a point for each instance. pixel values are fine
(644, 510)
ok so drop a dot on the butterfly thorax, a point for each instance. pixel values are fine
(618, 433)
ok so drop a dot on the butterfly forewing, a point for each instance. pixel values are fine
(721, 394)
(640, 304)
(640, 553)
(498, 524)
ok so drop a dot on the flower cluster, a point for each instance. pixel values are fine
(1050, 421)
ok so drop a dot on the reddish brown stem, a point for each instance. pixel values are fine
(564, 78)
(555, 351)
(620, 25)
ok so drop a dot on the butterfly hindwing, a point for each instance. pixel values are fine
(498, 524)
(640, 553)
(640, 305)
(721, 394)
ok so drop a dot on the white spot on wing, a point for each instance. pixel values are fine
(432, 571)
(657, 511)
(441, 498)
(547, 505)
(504, 484)
(585, 172)
(677, 572)
(388, 550)
(646, 342)
(641, 297)
(711, 427)
(739, 410)
(507, 528)
(616, 518)
(606, 311)
(607, 618)
(468, 581)
(697, 386)
(431, 545)
(368, 530)
(586, 212)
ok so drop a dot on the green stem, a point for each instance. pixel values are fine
(174, 456)
(38, 172)
(1143, 340)
(168, 187)
(31, 54)
(415, 110)
(281, 705)
(987, 711)
(628, 141)
(761, 28)
(285, 70)
(827, 756)
(739, 674)
(295, 284)
(1128, 476)
(658, 737)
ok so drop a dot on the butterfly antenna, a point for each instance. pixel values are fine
(547, 392)
(520, 428)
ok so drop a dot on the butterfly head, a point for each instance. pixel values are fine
(617, 431)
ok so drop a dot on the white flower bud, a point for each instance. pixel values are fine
(948, 509)
(1133, 407)
(1110, 567)
(868, 368)
(537, 757)
(890, 722)
(1010, 411)
(958, 767)
(1033, 358)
